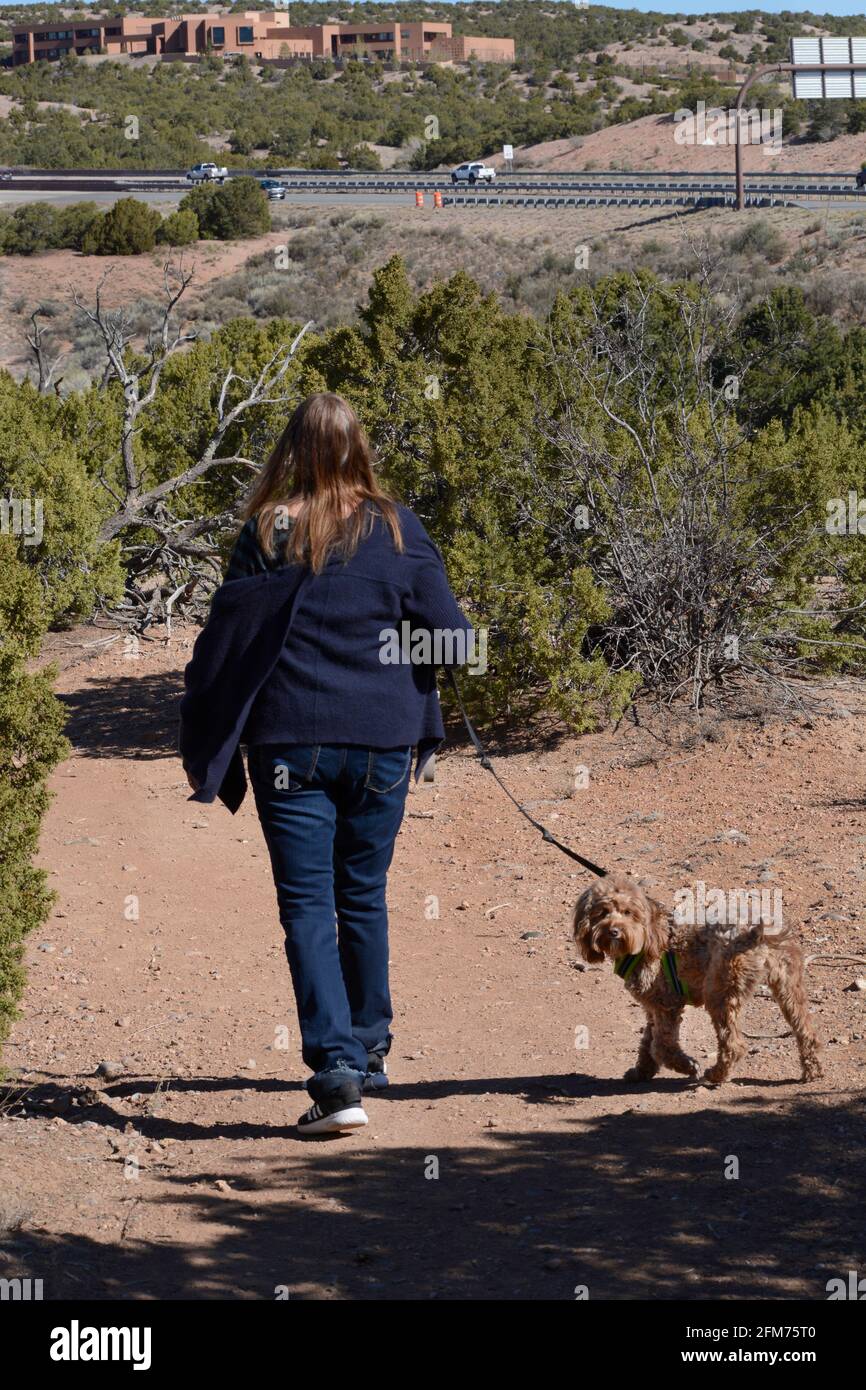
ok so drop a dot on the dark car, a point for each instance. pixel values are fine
(861, 179)
(272, 187)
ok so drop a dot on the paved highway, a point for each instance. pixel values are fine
(167, 196)
(640, 188)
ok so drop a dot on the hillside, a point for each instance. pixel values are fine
(577, 73)
(649, 143)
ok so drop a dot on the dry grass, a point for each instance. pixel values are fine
(526, 256)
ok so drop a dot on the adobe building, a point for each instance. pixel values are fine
(261, 34)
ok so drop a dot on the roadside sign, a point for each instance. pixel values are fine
(811, 55)
(507, 151)
(820, 69)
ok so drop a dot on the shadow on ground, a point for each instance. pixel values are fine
(125, 716)
(137, 717)
(631, 1205)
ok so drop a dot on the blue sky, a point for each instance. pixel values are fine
(837, 7)
(840, 7)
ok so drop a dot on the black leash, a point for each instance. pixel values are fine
(486, 763)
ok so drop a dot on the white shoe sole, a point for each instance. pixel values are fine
(342, 1121)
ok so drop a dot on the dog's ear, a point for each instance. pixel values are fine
(581, 908)
(582, 927)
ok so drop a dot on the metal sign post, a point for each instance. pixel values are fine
(738, 106)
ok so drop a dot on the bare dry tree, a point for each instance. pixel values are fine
(176, 565)
(46, 358)
(648, 479)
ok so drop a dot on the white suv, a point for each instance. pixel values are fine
(473, 173)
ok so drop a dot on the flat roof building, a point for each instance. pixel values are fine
(265, 34)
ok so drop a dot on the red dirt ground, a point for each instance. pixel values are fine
(183, 1176)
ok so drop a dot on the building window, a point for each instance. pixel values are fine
(367, 38)
(217, 35)
(245, 33)
(431, 38)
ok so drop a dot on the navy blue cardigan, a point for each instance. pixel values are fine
(291, 656)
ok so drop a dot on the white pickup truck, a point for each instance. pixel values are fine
(207, 173)
(474, 172)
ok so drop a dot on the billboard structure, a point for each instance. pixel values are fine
(821, 69)
(825, 68)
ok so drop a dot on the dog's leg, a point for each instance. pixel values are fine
(646, 1066)
(724, 1011)
(785, 982)
(666, 1044)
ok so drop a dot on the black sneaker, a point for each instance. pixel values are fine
(336, 1113)
(377, 1073)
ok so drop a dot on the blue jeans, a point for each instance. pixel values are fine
(330, 816)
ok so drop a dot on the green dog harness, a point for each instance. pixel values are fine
(626, 964)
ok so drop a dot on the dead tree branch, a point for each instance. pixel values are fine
(175, 550)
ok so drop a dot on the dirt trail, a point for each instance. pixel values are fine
(183, 1176)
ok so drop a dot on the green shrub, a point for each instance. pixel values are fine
(319, 158)
(179, 229)
(31, 744)
(760, 238)
(238, 208)
(127, 229)
(35, 227)
(53, 570)
(73, 222)
(30, 229)
(42, 455)
(363, 157)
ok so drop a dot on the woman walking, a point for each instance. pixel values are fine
(297, 662)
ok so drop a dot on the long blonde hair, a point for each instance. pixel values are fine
(324, 458)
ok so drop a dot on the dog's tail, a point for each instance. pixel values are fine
(775, 937)
(756, 935)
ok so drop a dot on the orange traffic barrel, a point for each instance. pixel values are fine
(419, 198)
(437, 199)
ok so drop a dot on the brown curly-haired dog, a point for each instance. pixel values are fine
(666, 965)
